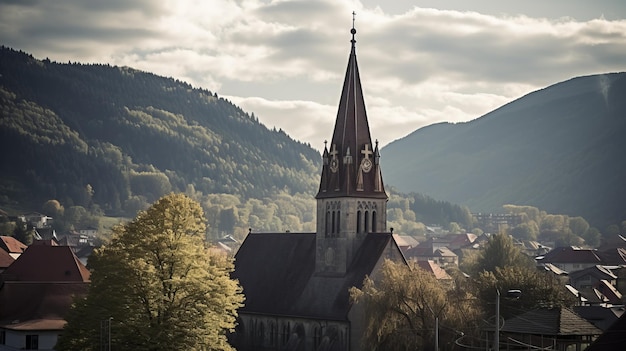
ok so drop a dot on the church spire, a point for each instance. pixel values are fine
(351, 166)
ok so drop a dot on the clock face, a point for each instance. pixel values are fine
(329, 257)
(366, 165)
(334, 165)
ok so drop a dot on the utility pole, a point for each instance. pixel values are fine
(496, 337)
(436, 333)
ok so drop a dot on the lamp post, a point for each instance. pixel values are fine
(109, 343)
(105, 334)
(512, 294)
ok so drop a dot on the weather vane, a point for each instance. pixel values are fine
(353, 16)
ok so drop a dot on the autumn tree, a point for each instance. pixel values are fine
(158, 284)
(401, 306)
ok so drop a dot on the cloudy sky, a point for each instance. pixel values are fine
(421, 62)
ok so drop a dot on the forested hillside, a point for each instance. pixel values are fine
(560, 149)
(80, 141)
(118, 137)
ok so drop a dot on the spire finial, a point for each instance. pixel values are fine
(353, 31)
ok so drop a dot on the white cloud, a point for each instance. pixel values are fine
(285, 60)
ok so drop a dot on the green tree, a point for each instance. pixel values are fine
(162, 288)
(500, 251)
(592, 237)
(525, 231)
(578, 225)
(537, 288)
(23, 232)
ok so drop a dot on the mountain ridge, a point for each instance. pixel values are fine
(553, 148)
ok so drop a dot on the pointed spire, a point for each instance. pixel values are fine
(358, 174)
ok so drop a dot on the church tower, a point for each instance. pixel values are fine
(351, 201)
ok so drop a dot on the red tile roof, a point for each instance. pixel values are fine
(11, 245)
(5, 259)
(433, 268)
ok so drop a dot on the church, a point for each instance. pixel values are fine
(297, 284)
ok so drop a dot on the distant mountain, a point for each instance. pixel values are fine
(112, 136)
(561, 149)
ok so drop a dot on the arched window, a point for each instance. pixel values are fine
(338, 230)
(358, 221)
(367, 222)
(374, 226)
(327, 224)
(333, 230)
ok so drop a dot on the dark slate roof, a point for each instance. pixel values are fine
(351, 141)
(277, 272)
(571, 255)
(601, 317)
(557, 321)
(44, 263)
(597, 271)
(613, 339)
(614, 256)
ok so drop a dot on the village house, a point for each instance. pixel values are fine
(36, 220)
(36, 292)
(571, 258)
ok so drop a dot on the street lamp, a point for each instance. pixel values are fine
(512, 294)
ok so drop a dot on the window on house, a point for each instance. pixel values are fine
(32, 342)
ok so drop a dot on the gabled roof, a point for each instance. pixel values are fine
(5, 259)
(351, 166)
(613, 339)
(433, 268)
(610, 292)
(11, 245)
(444, 252)
(601, 317)
(571, 255)
(613, 242)
(43, 263)
(554, 269)
(597, 271)
(405, 241)
(557, 321)
(277, 273)
(614, 256)
(458, 241)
